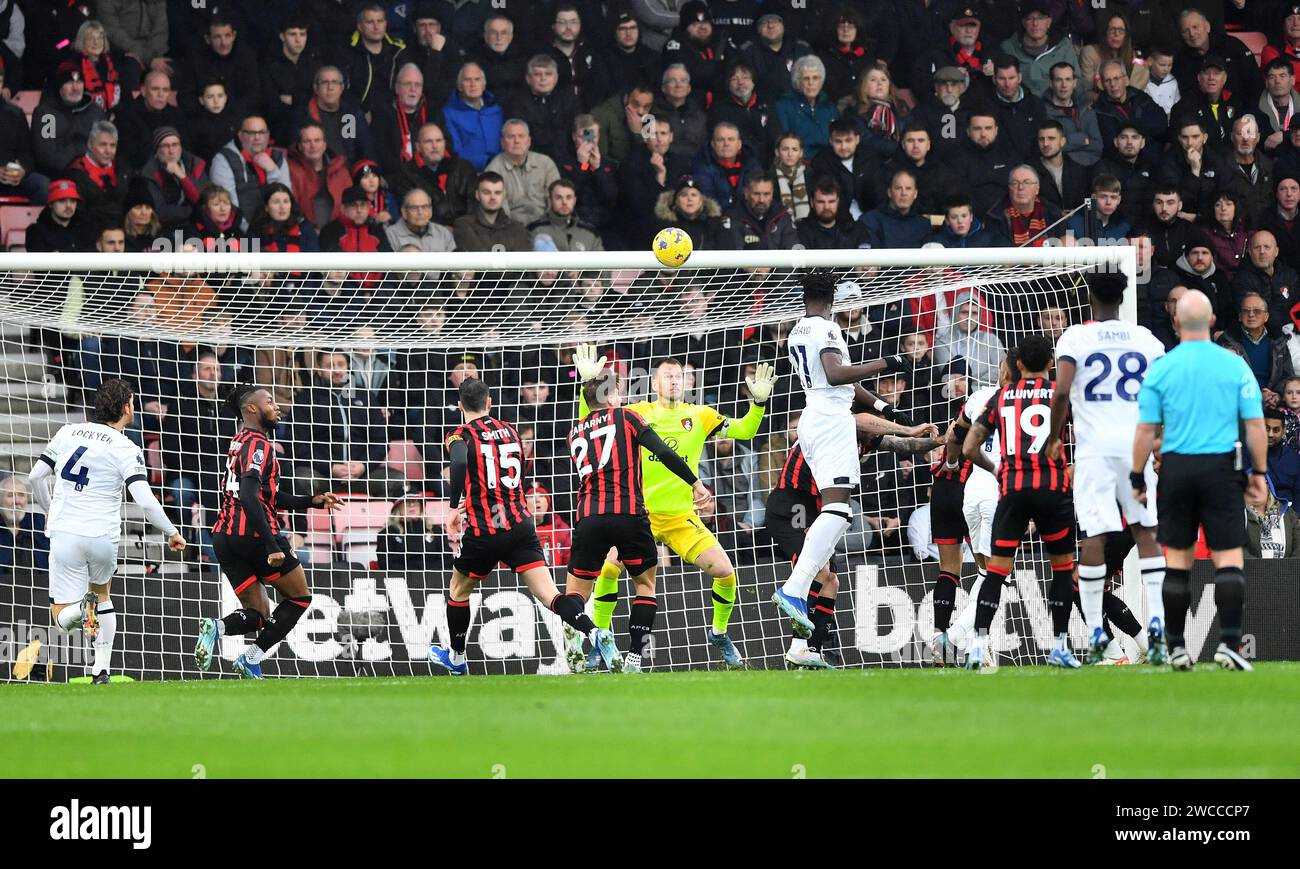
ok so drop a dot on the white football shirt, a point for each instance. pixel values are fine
(92, 465)
(973, 410)
(1111, 359)
(809, 337)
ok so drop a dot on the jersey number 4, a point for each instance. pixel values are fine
(80, 478)
(603, 439)
(1132, 368)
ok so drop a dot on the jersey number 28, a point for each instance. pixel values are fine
(1132, 367)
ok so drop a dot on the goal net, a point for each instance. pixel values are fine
(364, 355)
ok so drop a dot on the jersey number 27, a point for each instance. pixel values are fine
(603, 439)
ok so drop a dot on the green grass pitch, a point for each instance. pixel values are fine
(1019, 722)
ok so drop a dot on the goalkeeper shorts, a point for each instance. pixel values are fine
(683, 533)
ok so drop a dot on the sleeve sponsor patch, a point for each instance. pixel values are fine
(259, 456)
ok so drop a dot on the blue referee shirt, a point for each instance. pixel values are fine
(1199, 392)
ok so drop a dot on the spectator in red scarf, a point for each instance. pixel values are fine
(722, 169)
(876, 110)
(395, 122)
(339, 113)
(100, 176)
(248, 163)
(1022, 218)
(1288, 47)
(964, 50)
(847, 51)
(280, 226)
(318, 176)
(98, 71)
(449, 179)
(216, 223)
(369, 176)
(174, 176)
(552, 531)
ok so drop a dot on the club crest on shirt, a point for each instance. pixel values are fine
(688, 424)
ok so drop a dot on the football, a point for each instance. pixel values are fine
(673, 246)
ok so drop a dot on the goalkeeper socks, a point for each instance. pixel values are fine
(945, 598)
(569, 607)
(1177, 596)
(1120, 615)
(605, 595)
(823, 617)
(1229, 598)
(819, 544)
(1060, 598)
(1153, 580)
(990, 598)
(286, 615)
(241, 621)
(458, 615)
(1092, 586)
(641, 625)
(724, 600)
(104, 639)
(69, 618)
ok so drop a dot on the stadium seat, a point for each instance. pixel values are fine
(359, 521)
(404, 457)
(1254, 41)
(319, 530)
(16, 217)
(27, 101)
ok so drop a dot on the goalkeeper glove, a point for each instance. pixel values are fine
(584, 359)
(761, 384)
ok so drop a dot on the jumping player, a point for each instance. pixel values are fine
(248, 541)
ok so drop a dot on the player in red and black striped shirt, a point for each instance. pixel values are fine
(606, 449)
(247, 540)
(494, 526)
(1035, 486)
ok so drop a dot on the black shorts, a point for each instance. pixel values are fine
(947, 522)
(789, 513)
(1051, 512)
(1201, 491)
(518, 548)
(243, 559)
(596, 535)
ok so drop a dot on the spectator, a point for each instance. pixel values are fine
(216, 223)
(1023, 218)
(1283, 459)
(446, 177)
(1250, 171)
(1040, 51)
(1286, 160)
(1272, 279)
(375, 57)
(686, 207)
(791, 174)
(946, 113)
(628, 61)
(435, 51)
(755, 221)
(548, 109)
(682, 111)
(725, 166)
(877, 111)
(17, 160)
(336, 434)
(247, 164)
(416, 228)
(223, 59)
(1103, 222)
(1019, 112)
(474, 118)
(622, 118)
(1211, 102)
(561, 229)
(1163, 326)
(138, 119)
(851, 166)
(140, 225)
(368, 175)
(318, 176)
(1249, 337)
(98, 70)
(1287, 48)
(22, 530)
(527, 174)
(1128, 161)
(279, 225)
(771, 56)
(61, 227)
(647, 174)
(961, 335)
(214, 123)
(961, 228)
(371, 370)
(139, 31)
(502, 59)
(934, 182)
(1197, 169)
(1227, 234)
(1197, 270)
(1290, 404)
(1279, 102)
(847, 50)
(339, 114)
(487, 227)
(1162, 86)
(1120, 104)
(1272, 527)
(1167, 225)
(396, 122)
(1200, 42)
(895, 224)
(355, 231)
(411, 541)
(553, 531)
(825, 227)
(809, 110)
(198, 429)
(593, 178)
(982, 161)
(581, 67)
(62, 120)
(1067, 181)
(1115, 43)
(100, 176)
(962, 51)
(699, 47)
(740, 106)
(1281, 220)
(289, 75)
(174, 176)
(1082, 131)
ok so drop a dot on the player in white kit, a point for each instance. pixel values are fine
(827, 434)
(93, 461)
(1100, 366)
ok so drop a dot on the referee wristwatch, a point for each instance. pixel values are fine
(1259, 473)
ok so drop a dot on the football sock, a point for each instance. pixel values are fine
(957, 633)
(1153, 580)
(819, 544)
(605, 595)
(1229, 598)
(458, 615)
(990, 597)
(282, 620)
(69, 618)
(1120, 615)
(569, 607)
(641, 625)
(814, 592)
(104, 639)
(1060, 598)
(241, 621)
(1177, 595)
(1092, 585)
(945, 598)
(724, 600)
(822, 618)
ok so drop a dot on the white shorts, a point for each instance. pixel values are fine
(830, 444)
(978, 506)
(1102, 492)
(76, 562)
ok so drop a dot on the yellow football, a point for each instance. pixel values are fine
(673, 246)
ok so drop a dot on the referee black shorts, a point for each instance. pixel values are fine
(243, 559)
(598, 533)
(1201, 491)
(947, 521)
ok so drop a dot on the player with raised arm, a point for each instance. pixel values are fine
(827, 435)
(95, 461)
(492, 520)
(1100, 366)
(794, 500)
(1034, 486)
(248, 540)
(606, 447)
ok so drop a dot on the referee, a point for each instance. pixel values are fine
(1199, 393)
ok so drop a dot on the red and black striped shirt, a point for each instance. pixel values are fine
(796, 475)
(494, 476)
(250, 452)
(606, 453)
(940, 469)
(1021, 414)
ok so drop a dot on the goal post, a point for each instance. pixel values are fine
(364, 352)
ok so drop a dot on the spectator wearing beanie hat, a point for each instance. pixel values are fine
(174, 176)
(698, 46)
(140, 220)
(62, 120)
(686, 207)
(1197, 270)
(61, 228)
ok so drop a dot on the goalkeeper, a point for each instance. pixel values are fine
(673, 520)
